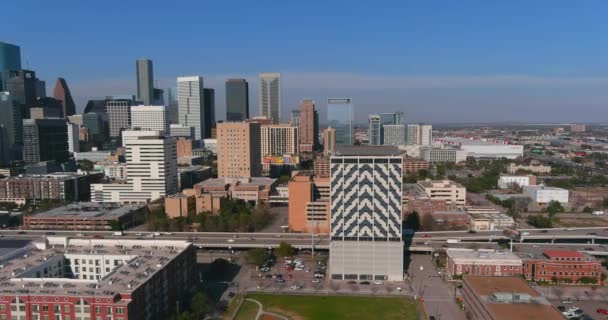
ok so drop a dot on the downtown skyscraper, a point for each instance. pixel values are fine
(309, 126)
(145, 81)
(10, 59)
(270, 96)
(190, 102)
(237, 100)
(377, 122)
(340, 117)
(62, 93)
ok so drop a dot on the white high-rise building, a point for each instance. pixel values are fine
(365, 211)
(129, 135)
(420, 134)
(394, 134)
(151, 171)
(426, 135)
(153, 118)
(73, 137)
(191, 102)
(270, 96)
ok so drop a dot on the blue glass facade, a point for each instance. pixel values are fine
(340, 117)
(10, 59)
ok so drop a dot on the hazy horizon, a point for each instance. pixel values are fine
(471, 61)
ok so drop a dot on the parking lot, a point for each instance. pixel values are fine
(296, 273)
(588, 308)
(302, 279)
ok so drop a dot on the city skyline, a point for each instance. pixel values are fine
(515, 68)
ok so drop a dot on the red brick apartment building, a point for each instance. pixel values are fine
(135, 279)
(565, 266)
(482, 263)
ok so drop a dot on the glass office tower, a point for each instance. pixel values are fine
(340, 117)
(10, 59)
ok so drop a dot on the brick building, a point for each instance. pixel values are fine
(321, 167)
(308, 203)
(564, 266)
(98, 279)
(87, 216)
(413, 165)
(504, 298)
(54, 186)
(482, 263)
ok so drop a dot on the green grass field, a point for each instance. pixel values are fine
(248, 311)
(338, 307)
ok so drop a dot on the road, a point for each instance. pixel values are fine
(438, 296)
(230, 240)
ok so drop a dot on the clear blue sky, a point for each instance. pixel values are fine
(437, 61)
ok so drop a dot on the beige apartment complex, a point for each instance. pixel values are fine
(238, 150)
(279, 139)
(453, 193)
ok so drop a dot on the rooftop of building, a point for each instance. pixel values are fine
(563, 254)
(511, 298)
(439, 184)
(90, 210)
(142, 259)
(464, 141)
(468, 254)
(367, 151)
(193, 168)
(54, 175)
(543, 187)
(253, 181)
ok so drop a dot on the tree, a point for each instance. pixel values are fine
(200, 305)
(116, 225)
(554, 208)
(412, 221)
(256, 257)
(605, 203)
(428, 222)
(285, 249)
(587, 210)
(85, 165)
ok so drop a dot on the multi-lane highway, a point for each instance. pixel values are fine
(230, 240)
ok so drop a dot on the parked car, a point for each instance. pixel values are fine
(379, 282)
(315, 281)
(427, 236)
(602, 311)
(364, 283)
(296, 287)
(352, 282)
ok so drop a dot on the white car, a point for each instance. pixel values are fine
(296, 287)
(230, 240)
(598, 213)
(316, 281)
(567, 301)
(378, 282)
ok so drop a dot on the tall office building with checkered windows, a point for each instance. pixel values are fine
(366, 237)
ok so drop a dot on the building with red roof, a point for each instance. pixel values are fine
(563, 266)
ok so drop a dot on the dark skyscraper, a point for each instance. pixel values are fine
(22, 86)
(172, 107)
(62, 93)
(45, 139)
(209, 105)
(11, 125)
(10, 59)
(145, 81)
(237, 100)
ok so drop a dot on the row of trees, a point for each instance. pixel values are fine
(258, 256)
(234, 216)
